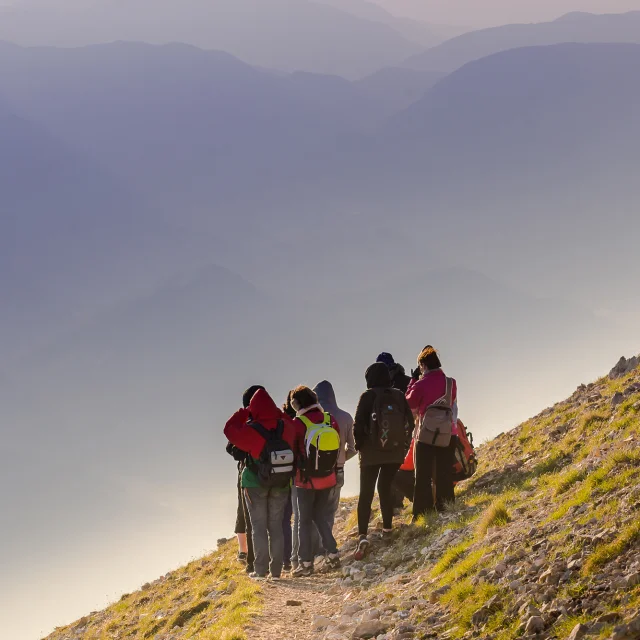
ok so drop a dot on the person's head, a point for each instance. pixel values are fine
(249, 393)
(386, 358)
(378, 376)
(428, 359)
(302, 398)
(288, 407)
(326, 395)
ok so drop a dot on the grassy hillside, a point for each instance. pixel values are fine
(208, 599)
(543, 542)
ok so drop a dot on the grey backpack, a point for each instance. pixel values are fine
(437, 422)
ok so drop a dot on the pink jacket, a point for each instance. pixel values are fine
(424, 392)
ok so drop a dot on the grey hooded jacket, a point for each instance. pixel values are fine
(327, 398)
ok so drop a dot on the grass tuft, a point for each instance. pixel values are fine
(450, 557)
(465, 599)
(496, 515)
(566, 480)
(627, 536)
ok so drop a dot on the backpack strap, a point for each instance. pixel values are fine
(279, 429)
(265, 433)
(448, 394)
(378, 392)
(447, 399)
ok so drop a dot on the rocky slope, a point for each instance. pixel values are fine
(544, 542)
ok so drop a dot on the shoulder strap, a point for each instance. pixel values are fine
(378, 393)
(449, 392)
(305, 421)
(257, 427)
(279, 429)
(327, 419)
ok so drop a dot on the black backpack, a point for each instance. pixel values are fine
(275, 466)
(388, 422)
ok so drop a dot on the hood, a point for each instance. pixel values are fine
(396, 370)
(263, 408)
(326, 394)
(377, 375)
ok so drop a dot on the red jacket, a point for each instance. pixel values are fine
(262, 409)
(317, 417)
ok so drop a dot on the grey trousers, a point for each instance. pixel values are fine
(316, 514)
(316, 543)
(266, 511)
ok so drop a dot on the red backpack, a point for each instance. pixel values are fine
(465, 460)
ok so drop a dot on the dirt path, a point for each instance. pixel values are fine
(282, 621)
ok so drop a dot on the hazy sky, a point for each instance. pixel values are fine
(492, 12)
(458, 12)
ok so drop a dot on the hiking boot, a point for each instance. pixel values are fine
(286, 567)
(304, 570)
(257, 576)
(333, 560)
(387, 535)
(361, 550)
(249, 569)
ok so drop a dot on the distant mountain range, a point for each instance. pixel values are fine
(489, 13)
(201, 132)
(417, 31)
(573, 27)
(189, 128)
(282, 34)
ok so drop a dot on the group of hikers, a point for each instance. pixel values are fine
(291, 461)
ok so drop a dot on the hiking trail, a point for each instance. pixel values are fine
(290, 605)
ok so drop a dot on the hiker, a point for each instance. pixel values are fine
(382, 430)
(316, 544)
(317, 447)
(327, 399)
(267, 436)
(433, 399)
(399, 379)
(243, 522)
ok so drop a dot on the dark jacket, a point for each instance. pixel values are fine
(377, 377)
(399, 379)
(327, 398)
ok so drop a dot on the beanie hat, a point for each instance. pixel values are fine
(386, 358)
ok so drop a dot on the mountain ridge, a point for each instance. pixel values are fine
(587, 28)
(222, 25)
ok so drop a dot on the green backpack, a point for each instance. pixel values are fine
(322, 446)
